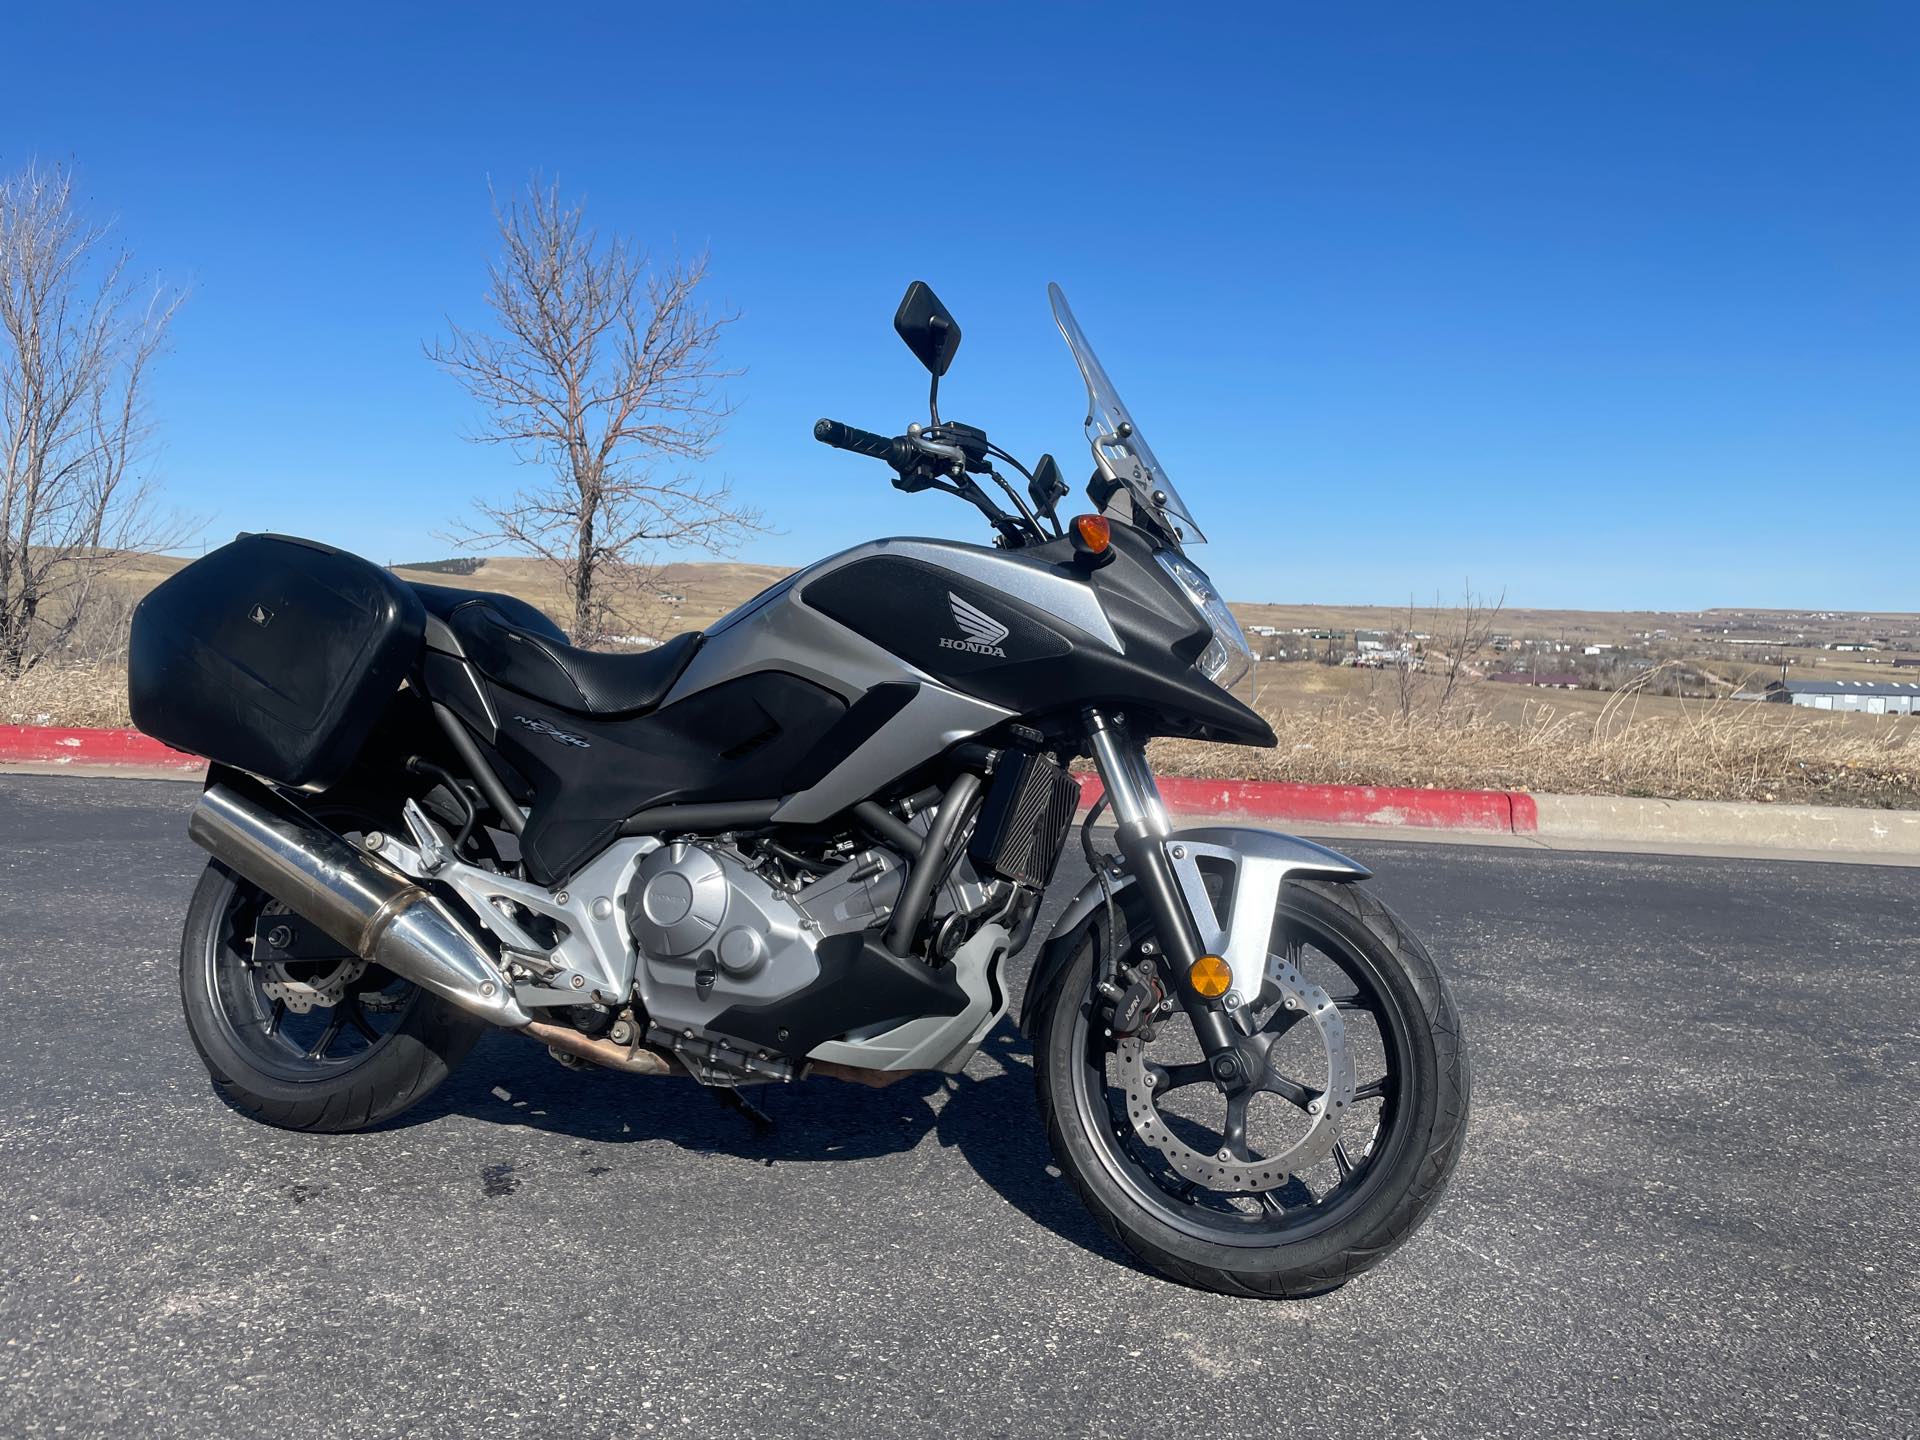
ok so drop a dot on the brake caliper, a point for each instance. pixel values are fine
(1132, 998)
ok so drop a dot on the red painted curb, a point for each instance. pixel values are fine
(42, 744)
(1483, 810)
(1497, 811)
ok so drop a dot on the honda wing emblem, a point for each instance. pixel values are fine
(981, 633)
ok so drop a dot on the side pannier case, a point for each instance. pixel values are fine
(274, 655)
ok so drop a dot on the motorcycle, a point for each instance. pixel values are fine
(805, 843)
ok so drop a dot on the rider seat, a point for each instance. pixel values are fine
(516, 645)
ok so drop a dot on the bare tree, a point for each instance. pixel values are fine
(77, 336)
(1462, 635)
(604, 370)
(1406, 678)
(1428, 673)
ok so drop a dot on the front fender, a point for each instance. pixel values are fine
(1262, 861)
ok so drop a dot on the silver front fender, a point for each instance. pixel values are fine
(1261, 861)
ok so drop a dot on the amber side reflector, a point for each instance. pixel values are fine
(1210, 976)
(1091, 534)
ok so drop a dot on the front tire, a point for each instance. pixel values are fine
(1324, 1226)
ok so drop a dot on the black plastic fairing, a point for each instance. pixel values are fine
(747, 739)
(861, 984)
(991, 644)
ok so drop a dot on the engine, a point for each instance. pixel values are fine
(717, 929)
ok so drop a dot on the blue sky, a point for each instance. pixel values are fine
(1607, 305)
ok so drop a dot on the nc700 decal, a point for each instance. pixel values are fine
(553, 732)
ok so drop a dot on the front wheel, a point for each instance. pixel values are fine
(1330, 1143)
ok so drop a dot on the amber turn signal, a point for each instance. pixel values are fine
(1091, 534)
(1210, 976)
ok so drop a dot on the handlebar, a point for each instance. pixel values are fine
(896, 452)
(939, 459)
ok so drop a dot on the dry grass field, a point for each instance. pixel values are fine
(1345, 727)
(1339, 725)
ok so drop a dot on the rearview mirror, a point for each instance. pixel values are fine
(930, 332)
(1046, 487)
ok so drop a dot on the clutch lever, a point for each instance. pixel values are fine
(954, 457)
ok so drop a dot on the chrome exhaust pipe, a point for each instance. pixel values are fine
(381, 915)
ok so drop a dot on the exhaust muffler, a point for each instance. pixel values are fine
(381, 915)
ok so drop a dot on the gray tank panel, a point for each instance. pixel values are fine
(780, 632)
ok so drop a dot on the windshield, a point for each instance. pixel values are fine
(1119, 448)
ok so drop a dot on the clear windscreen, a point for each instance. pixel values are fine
(1119, 448)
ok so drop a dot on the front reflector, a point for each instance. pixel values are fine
(1210, 976)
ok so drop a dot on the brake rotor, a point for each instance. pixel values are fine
(301, 993)
(1223, 1170)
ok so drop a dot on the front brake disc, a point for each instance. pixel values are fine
(1223, 1171)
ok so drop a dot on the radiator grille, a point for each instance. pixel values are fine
(1024, 819)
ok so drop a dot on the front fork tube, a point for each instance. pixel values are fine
(1141, 831)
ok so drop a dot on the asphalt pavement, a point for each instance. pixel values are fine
(1687, 1204)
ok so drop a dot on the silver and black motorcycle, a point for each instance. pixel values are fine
(806, 842)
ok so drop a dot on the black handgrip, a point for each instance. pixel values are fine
(862, 442)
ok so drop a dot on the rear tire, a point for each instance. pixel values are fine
(381, 1073)
(1388, 1201)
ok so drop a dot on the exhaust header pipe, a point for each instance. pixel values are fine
(381, 915)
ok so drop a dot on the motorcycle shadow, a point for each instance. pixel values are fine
(988, 1115)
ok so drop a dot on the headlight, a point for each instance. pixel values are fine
(1228, 657)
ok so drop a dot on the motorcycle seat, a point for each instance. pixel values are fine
(516, 645)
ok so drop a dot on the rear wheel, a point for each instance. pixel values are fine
(1335, 1139)
(324, 1041)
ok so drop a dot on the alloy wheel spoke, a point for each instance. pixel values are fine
(359, 1019)
(1352, 1000)
(278, 1013)
(1342, 1159)
(329, 1035)
(1292, 1091)
(1179, 1076)
(1374, 1089)
(1281, 1022)
(1233, 1139)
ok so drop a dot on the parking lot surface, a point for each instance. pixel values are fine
(1687, 1204)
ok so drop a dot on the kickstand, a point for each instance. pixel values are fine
(732, 1099)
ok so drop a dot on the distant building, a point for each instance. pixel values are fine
(1553, 680)
(1380, 658)
(1868, 697)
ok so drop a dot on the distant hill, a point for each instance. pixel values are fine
(693, 595)
(463, 566)
(688, 596)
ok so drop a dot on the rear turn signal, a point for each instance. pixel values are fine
(1092, 535)
(1209, 976)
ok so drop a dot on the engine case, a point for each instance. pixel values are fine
(713, 932)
